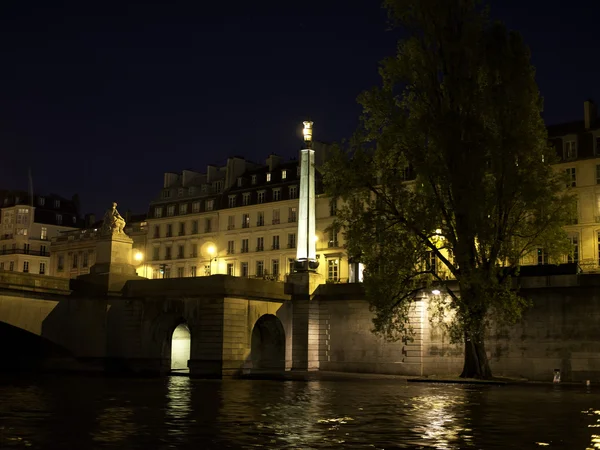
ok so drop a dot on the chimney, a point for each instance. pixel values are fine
(170, 178)
(590, 113)
(273, 161)
(90, 219)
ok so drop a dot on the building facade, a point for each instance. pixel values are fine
(241, 220)
(577, 147)
(27, 226)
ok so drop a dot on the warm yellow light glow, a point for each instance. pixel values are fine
(211, 250)
(307, 131)
(138, 256)
(316, 238)
(438, 231)
(436, 292)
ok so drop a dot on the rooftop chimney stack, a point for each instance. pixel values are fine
(590, 113)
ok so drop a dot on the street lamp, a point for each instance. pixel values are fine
(139, 257)
(212, 251)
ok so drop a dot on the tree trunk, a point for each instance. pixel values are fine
(476, 363)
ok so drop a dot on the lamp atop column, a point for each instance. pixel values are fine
(307, 133)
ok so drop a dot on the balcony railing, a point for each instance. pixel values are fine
(245, 225)
(6, 236)
(230, 251)
(275, 221)
(291, 219)
(230, 227)
(259, 248)
(20, 251)
(291, 245)
(244, 250)
(275, 247)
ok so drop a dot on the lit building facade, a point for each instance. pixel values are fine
(578, 149)
(240, 219)
(27, 226)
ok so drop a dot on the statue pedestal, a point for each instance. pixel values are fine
(113, 266)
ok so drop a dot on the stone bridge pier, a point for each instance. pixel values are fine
(235, 325)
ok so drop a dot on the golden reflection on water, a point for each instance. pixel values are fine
(595, 438)
(114, 424)
(440, 427)
(179, 405)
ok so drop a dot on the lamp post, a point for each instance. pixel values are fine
(139, 257)
(212, 251)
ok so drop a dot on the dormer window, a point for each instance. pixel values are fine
(57, 203)
(239, 182)
(570, 150)
(283, 174)
(268, 177)
(166, 193)
(219, 186)
(191, 190)
(253, 179)
(41, 201)
(180, 192)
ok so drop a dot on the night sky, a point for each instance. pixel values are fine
(100, 99)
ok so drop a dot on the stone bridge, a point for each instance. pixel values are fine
(232, 325)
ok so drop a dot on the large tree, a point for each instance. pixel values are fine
(450, 167)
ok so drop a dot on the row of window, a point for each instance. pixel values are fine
(217, 186)
(25, 250)
(260, 270)
(208, 223)
(209, 205)
(570, 149)
(245, 247)
(41, 201)
(572, 176)
(11, 267)
(76, 260)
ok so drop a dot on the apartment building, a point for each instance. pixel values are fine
(27, 226)
(578, 149)
(239, 219)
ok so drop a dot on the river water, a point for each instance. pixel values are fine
(70, 412)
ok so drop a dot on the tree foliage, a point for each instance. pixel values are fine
(451, 160)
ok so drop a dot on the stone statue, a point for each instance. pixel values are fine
(113, 222)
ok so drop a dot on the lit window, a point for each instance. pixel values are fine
(210, 204)
(268, 177)
(283, 174)
(253, 179)
(183, 208)
(158, 211)
(246, 198)
(261, 197)
(171, 210)
(276, 194)
(196, 207)
(239, 182)
(57, 203)
(232, 201)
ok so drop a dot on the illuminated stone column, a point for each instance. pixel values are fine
(306, 247)
(305, 280)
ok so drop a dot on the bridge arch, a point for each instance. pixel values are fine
(180, 347)
(267, 351)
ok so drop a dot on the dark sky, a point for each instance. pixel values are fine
(100, 99)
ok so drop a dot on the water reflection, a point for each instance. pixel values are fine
(189, 414)
(179, 409)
